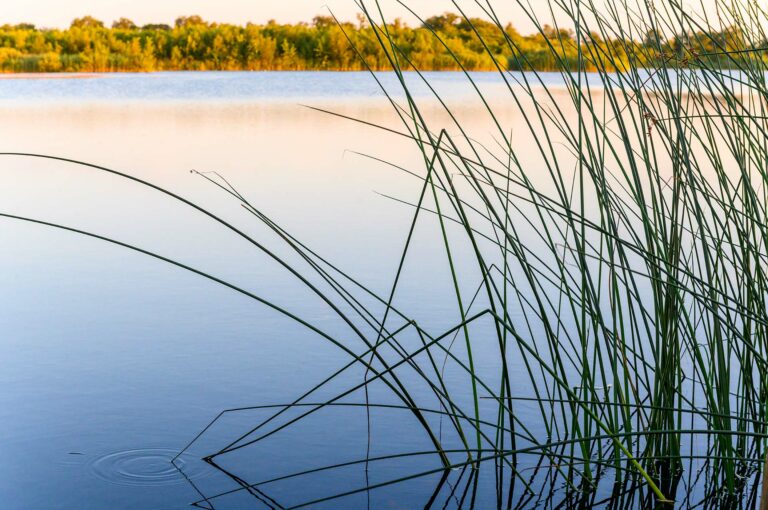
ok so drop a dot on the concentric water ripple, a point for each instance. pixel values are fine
(146, 467)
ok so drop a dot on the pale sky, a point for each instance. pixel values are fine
(59, 13)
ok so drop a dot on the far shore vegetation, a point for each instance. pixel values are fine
(193, 44)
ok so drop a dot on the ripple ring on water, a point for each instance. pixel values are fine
(146, 467)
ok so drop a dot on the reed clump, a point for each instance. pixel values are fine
(628, 230)
(621, 248)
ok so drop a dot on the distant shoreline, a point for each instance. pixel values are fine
(75, 75)
(193, 44)
(69, 75)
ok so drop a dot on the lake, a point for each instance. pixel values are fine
(113, 362)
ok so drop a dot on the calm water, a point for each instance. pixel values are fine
(111, 362)
(247, 87)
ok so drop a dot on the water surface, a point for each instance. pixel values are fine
(111, 362)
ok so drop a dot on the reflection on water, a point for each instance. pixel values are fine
(113, 361)
(238, 87)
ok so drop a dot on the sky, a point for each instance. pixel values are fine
(59, 13)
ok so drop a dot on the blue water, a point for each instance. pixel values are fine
(111, 361)
(264, 87)
(230, 86)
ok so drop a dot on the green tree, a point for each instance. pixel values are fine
(194, 44)
(87, 22)
(124, 24)
(189, 21)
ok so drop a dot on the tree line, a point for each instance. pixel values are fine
(444, 42)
